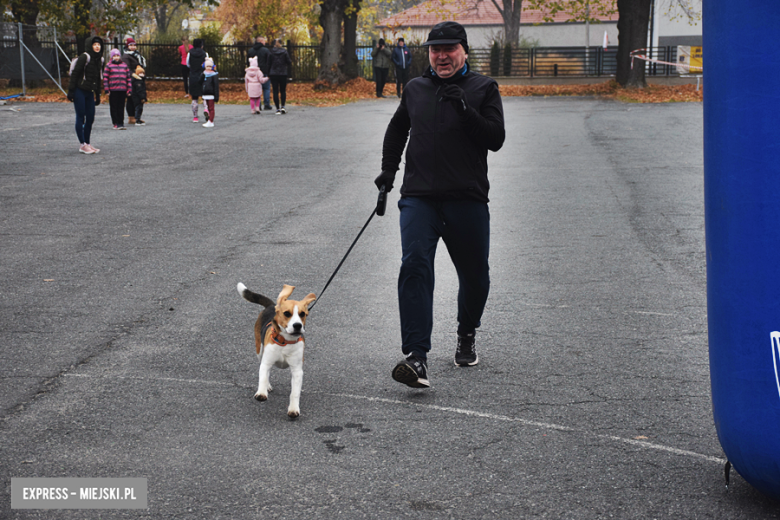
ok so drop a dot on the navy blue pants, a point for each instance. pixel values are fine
(465, 228)
(84, 103)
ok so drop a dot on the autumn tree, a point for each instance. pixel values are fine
(80, 17)
(331, 17)
(248, 18)
(633, 22)
(163, 12)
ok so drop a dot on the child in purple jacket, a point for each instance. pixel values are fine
(117, 84)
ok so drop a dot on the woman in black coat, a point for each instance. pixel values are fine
(195, 60)
(86, 83)
(278, 72)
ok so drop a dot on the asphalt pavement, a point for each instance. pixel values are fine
(127, 351)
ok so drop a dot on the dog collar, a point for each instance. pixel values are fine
(277, 338)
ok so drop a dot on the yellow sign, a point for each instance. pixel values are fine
(689, 60)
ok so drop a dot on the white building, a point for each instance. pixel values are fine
(677, 23)
(484, 24)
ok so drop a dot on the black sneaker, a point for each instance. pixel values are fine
(466, 353)
(413, 372)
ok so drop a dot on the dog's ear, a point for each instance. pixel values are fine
(309, 298)
(286, 292)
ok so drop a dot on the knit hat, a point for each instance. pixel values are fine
(129, 40)
(208, 63)
(253, 61)
(139, 70)
(114, 52)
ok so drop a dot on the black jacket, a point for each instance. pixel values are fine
(262, 53)
(209, 86)
(88, 76)
(197, 58)
(279, 62)
(264, 59)
(447, 153)
(139, 89)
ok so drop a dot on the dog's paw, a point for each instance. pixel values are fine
(261, 397)
(293, 414)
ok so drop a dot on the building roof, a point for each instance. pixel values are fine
(469, 12)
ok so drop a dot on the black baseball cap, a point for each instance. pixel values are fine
(445, 33)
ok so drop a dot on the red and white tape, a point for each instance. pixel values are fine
(635, 55)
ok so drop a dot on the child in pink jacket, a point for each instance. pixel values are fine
(253, 82)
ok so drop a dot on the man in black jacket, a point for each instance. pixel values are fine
(452, 117)
(263, 53)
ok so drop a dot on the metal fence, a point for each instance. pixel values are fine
(164, 61)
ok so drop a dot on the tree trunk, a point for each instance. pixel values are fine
(510, 11)
(162, 19)
(331, 14)
(634, 17)
(350, 40)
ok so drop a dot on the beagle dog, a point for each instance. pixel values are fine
(279, 340)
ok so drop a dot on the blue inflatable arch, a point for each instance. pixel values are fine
(742, 223)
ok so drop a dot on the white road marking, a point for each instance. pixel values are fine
(448, 409)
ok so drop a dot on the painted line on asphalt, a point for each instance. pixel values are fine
(537, 424)
(460, 411)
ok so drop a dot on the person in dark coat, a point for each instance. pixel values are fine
(209, 83)
(132, 59)
(381, 57)
(278, 72)
(86, 82)
(195, 60)
(402, 59)
(264, 63)
(451, 116)
(138, 83)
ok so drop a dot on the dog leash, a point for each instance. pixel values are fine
(381, 204)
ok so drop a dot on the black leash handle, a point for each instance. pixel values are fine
(381, 204)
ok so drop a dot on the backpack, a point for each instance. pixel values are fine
(73, 65)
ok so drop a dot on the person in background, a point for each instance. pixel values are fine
(402, 59)
(84, 90)
(209, 82)
(278, 71)
(195, 60)
(254, 80)
(264, 63)
(139, 94)
(132, 59)
(381, 57)
(184, 50)
(116, 83)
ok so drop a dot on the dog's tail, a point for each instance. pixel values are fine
(253, 296)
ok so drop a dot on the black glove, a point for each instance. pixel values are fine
(385, 179)
(71, 97)
(97, 99)
(455, 95)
